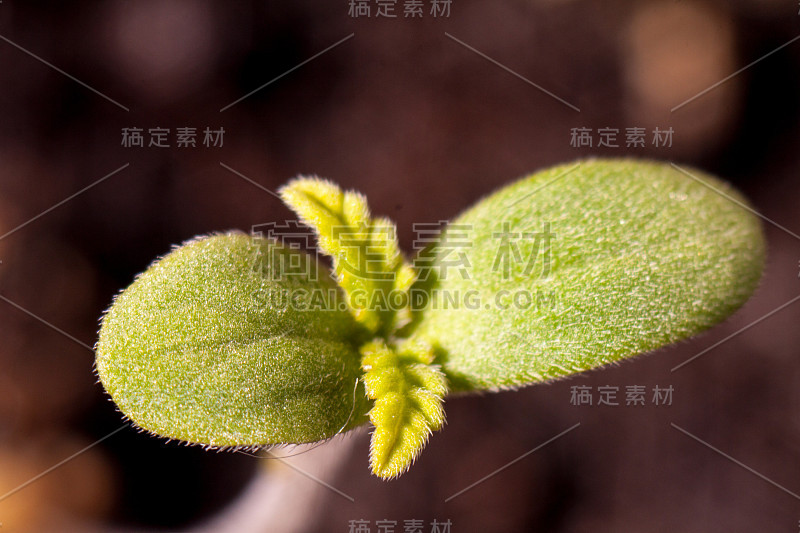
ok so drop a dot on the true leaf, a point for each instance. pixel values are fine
(366, 258)
(408, 392)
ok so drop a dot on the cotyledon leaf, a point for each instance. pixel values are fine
(582, 265)
(232, 340)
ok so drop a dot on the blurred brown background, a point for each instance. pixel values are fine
(424, 126)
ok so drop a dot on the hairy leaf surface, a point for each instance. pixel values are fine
(366, 257)
(232, 340)
(585, 264)
(408, 392)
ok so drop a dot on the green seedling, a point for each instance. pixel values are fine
(232, 340)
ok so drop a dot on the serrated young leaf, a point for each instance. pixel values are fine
(585, 264)
(366, 257)
(232, 340)
(407, 391)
